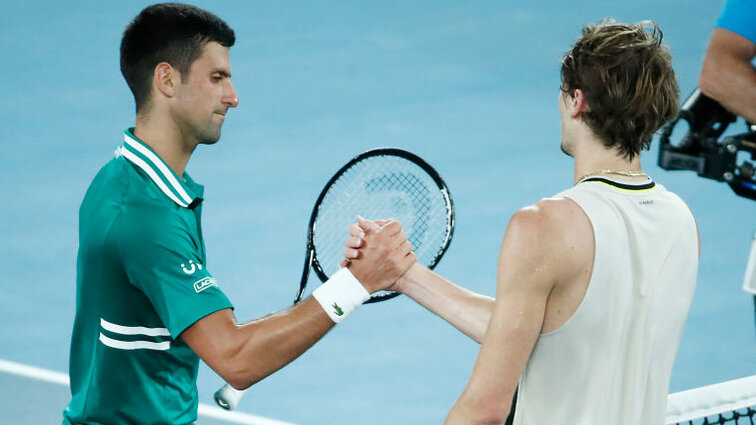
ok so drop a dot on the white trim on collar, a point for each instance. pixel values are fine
(150, 172)
(155, 168)
(168, 174)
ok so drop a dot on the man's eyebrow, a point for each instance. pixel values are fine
(224, 72)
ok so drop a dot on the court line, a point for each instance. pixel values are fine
(34, 372)
(205, 410)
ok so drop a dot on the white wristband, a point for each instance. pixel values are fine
(340, 295)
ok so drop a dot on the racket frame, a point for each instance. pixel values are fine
(311, 260)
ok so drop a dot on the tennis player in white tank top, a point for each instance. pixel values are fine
(594, 284)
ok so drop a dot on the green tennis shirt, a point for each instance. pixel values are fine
(141, 279)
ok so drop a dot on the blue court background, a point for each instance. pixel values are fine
(471, 87)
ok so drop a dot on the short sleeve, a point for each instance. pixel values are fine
(739, 16)
(161, 259)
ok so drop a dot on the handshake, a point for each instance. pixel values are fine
(376, 256)
(378, 253)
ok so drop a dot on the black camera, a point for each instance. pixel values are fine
(701, 150)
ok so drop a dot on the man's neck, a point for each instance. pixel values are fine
(164, 137)
(594, 158)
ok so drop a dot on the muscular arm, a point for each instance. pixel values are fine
(728, 75)
(538, 255)
(245, 353)
(466, 310)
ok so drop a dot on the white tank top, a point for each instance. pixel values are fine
(611, 362)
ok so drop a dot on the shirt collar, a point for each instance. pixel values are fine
(141, 155)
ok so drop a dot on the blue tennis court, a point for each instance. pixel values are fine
(470, 87)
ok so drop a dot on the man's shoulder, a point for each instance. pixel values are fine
(550, 241)
(550, 214)
(109, 180)
(131, 197)
(106, 191)
(551, 225)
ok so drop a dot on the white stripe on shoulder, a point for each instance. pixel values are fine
(133, 330)
(135, 345)
(150, 172)
(161, 166)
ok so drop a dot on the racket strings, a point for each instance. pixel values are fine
(417, 192)
(382, 187)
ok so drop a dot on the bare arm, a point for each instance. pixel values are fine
(466, 310)
(728, 75)
(245, 353)
(536, 256)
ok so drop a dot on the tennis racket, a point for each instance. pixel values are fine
(378, 184)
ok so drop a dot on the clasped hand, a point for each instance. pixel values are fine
(377, 253)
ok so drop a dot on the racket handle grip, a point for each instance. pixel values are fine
(228, 397)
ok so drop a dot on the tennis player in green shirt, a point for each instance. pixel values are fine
(147, 307)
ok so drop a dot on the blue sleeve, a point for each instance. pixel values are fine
(739, 16)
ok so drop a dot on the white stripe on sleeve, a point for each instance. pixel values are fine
(133, 330)
(135, 345)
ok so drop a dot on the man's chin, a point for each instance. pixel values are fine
(565, 150)
(210, 138)
(209, 141)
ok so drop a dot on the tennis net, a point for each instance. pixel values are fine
(732, 403)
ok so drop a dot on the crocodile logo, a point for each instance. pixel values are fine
(337, 310)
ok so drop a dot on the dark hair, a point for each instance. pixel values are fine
(169, 32)
(626, 74)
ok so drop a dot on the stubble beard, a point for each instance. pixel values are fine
(210, 134)
(565, 149)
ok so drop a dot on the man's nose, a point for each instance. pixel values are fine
(231, 98)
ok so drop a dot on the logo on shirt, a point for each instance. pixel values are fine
(193, 267)
(204, 283)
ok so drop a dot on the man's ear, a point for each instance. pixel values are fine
(165, 78)
(577, 103)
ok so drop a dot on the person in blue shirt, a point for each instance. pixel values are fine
(728, 74)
